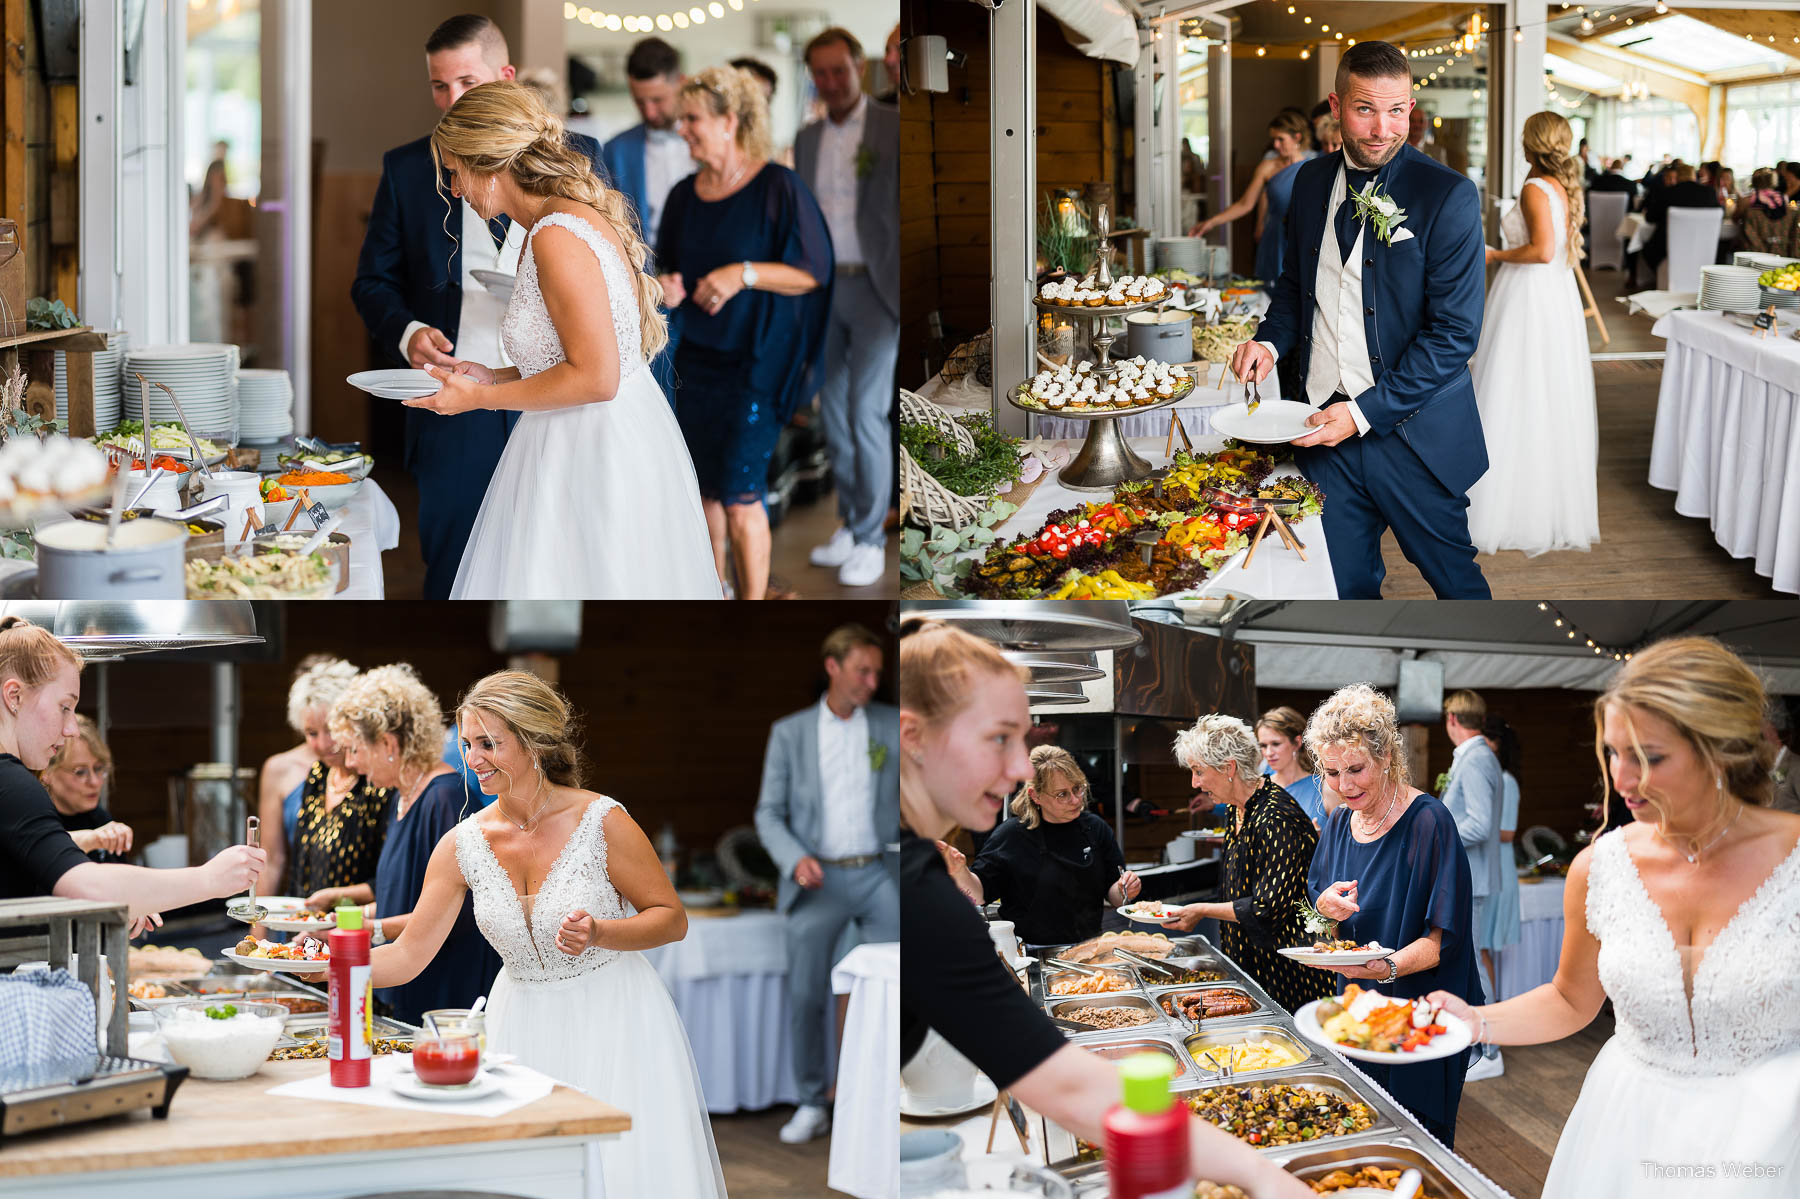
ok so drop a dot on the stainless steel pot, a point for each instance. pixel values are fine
(145, 562)
(1161, 336)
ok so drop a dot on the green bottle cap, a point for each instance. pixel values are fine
(1146, 1078)
(349, 918)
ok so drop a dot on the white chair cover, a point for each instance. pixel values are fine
(1693, 242)
(1605, 210)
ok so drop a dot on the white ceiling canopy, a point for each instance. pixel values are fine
(1685, 42)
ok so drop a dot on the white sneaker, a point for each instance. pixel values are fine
(866, 565)
(836, 551)
(1485, 1067)
(808, 1122)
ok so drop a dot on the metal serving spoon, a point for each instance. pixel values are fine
(249, 911)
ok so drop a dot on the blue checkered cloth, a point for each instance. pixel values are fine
(44, 1015)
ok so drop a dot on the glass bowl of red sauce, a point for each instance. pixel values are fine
(447, 1060)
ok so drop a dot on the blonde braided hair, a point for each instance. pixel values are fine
(503, 127)
(1546, 140)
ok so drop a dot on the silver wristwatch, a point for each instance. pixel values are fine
(376, 936)
(1393, 970)
(749, 275)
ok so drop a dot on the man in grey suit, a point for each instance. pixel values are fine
(851, 161)
(1474, 795)
(829, 808)
(1777, 725)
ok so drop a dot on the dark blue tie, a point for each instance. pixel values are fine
(498, 227)
(1346, 214)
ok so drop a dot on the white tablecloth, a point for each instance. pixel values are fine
(728, 977)
(372, 524)
(865, 1137)
(1727, 438)
(1532, 962)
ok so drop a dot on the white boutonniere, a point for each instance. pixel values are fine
(1376, 207)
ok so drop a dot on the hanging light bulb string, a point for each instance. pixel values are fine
(667, 22)
(1574, 634)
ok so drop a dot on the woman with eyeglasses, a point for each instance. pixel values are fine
(76, 781)
(1053, 864)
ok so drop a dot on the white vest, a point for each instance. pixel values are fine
(1340, 349)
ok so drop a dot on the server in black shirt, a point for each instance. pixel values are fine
(40, 682)
(1054, 864)
(963, 720)
(76, 780)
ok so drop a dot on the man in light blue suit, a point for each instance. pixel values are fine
(650, 158)
(829, 809)
(1474, 795)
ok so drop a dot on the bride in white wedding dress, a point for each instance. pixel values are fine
(594, 496)
(1688, 919)
(1534, 380)
(569, 891)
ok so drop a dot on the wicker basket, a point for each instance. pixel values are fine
(924, 501)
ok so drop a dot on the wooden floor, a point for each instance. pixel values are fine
(758, 1166)
(1507, 1127)
(1646, 548)
(804, 528)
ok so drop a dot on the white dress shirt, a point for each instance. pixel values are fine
(839, 145)
(666, 163)
(847, 826)
(478, 328)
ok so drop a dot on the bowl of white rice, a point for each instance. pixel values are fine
(220, 1041)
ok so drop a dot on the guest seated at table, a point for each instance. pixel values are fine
(1685, 192)
(1790, 180)
(392, 727)
(1767, 223)
(1286, 761)
(76, 781)
(1054, 865)
(1390, 868)
(1266, 856)
(963, 722)
(1612, 180)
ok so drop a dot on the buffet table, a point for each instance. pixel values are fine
(728, 977)
(865, 1142)
(1532, 962)
(225, 1138)
(1727, 438)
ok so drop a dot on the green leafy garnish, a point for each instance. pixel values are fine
(1314, 922)
(222, 1012)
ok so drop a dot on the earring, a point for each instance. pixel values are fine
(918, 758)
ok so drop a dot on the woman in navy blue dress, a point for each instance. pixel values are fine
(392, 729)
(1390, 868)
(748, 260)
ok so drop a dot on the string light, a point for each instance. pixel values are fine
(1261, 50)
(1518, 34)
(1560, 619)
(644, 23)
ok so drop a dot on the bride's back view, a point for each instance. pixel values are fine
(1534, 380)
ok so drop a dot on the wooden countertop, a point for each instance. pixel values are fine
(236, 1121)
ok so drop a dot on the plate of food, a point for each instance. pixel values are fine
(1204, 834)
(303, 921)
(1150, 911)
(1372, 1027)
(1338, 953)
(304, 955)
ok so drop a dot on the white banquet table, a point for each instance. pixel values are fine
(1727, 439)
(1532, 962)
(865, 1138)
(372, 524)
(728, 977)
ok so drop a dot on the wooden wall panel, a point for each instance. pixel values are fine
(340, 344)
(1181, 674)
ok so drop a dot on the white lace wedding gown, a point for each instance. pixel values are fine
(602, 1021)
(598, 501)
(1534, 385)
(1711, 1082)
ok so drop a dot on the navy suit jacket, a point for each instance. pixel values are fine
(1422, 307)
(623, 157)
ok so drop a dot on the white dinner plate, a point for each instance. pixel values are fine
(1204, 834)
(275, 922)
(286, 967)
(498, 282)
(408, 381)
(1336, 957)
(406, 1083)
(981, 1097)
(1446, 1044)
(1141, 916)
(1275, 422)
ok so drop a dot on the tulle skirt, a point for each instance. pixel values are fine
(1638, 1132)
(614, 1032)
(1534, 384)
(593, 502)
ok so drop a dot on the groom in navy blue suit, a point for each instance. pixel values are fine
(1374, 328)
(409, 292)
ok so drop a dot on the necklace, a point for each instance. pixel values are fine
(1695, 856)
(732, 182)
(530, 822)
(1370, 829)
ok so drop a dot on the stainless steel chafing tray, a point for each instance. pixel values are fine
(1212, 1036)
(1119, 1049)
(1165, 1002)
(1063, 1006)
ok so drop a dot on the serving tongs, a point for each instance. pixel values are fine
(1142, 962)
(249, 911)
(1077, 967)
(1073, 1026)
(200, 465)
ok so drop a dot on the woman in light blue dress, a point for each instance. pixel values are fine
(1289, 136)
(1502, 927)
(1278, 734)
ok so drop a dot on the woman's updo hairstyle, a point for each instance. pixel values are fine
(31, 653)
(1360, 716)
(736, 91)
(534, 712)
(937, 664)
(392, 699)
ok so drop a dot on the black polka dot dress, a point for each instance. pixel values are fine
(1266, 857)
(339, 848)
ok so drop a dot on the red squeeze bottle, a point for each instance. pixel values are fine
(350, 1016)
(1147, 1135)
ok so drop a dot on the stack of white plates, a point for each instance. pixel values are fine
(1762, 262)
(396, 384)
(107, 364)
(265, 405)
(1728, 288)
(203, 376)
